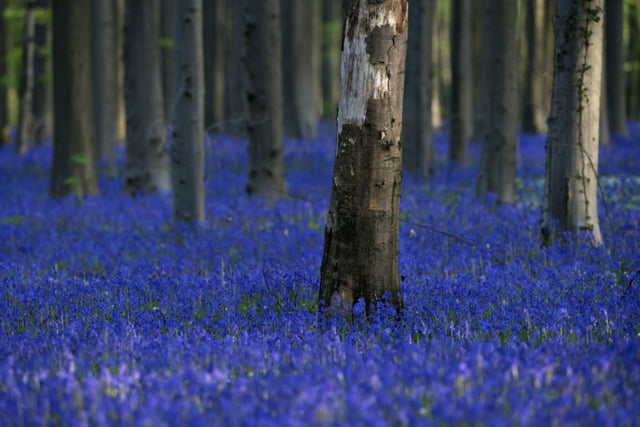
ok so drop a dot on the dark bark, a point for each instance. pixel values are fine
(73, 170)
(633, 56)
(417, 133)
(360, 259)
(214, 63)
(614, 64)
(166, 57)
(498, 159)
(24, 132)
(264, 98)
(236, 102)
(187, 148)
(147, 167)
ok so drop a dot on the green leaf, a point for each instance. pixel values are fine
(80, 159)
(11, 220)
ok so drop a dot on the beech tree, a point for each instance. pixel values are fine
(187, 148)
(460, 111)
(25, 116)
(571, 181)
(615, 100)
(360, 258)
(214, 30)
(42, 106)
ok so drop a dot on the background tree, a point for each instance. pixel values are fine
(105, 80)
(460, 102)
(633, 58)
(42, 109)
(418, 148)
(187, 148)
(4, 113)
(360, 258)
(73, 166)
(499, 132)
(264, 98)
(214, 63)
(235, 81)
(614, 65)
(571, 180)
(25, 117)
(167, 26)
(331, 36)
(301, 67)
(147, 167)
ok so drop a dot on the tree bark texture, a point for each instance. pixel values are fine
(147, 167)
(263, 63)
(633, 53)
(73, 169)
(214, 28)
(235, 100)
(571, 181)
(461, 91)
(417, 132)
(614, 64)
(42, 106)
(499, 131)
(105, 80)
(25, 117)
(360, 258)
(187, 148)
(166, 42)
(331, 37)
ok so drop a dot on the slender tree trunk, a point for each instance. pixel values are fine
(360, 257)
(534, 110)
(614, 64)
(236, 101)
(25, 116)
(147, 167)
(264, 98)
(571, 183)
(105, 80)
(633, 55)
(4, 44)
(418, 149)
(498, 159)
(331, 35)
(460, 114)
(187, 149)
(73, 169)
(167, 13)
(214, 63)
(121, 116)
(42, 105)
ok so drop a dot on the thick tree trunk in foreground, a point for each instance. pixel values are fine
(25, 117)
(264, 98)
(147, 166)
(73, 169)
(360, 257)
(417, 133)
(614, 63)
(571, 183)
(187, 149)
(499, 131)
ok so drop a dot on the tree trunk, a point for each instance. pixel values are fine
(25, 116)
(633, 53)
(121, 114)
(571, 183)
(418, 149)
(460, 114)
(73, 170)
(331, 35)
(105, 81)
(301, 69)
(498, 159)
(236, 101)
(187, 148)
(360, 258)
(147, 167)
(42, 107)
(264, 98)
(214, 63)
(167, 13)
(4, 47)
(614, 64)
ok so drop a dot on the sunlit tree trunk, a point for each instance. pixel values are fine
(360, 257)
(614, 64)
(25, 117)
(147, 166)
(264, 98)
(460, 103)
(72, 171)
(187, 148)
(417, 133)
(499, 131)
(214, 28)
(570, 194)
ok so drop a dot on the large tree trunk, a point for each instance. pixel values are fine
(73, 169)
(264, 98)
(25, 117)
(498, 159)
(214, 63)
(360, 257)
(235, 100)
(571, 183)
(301, 46)
(460, 113)
(614, 64)
(42, 107)
(417, 132)
(105, 80)
(331, 36)
(147, 167)
(187, 148)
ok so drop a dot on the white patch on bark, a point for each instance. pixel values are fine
(380, 82)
